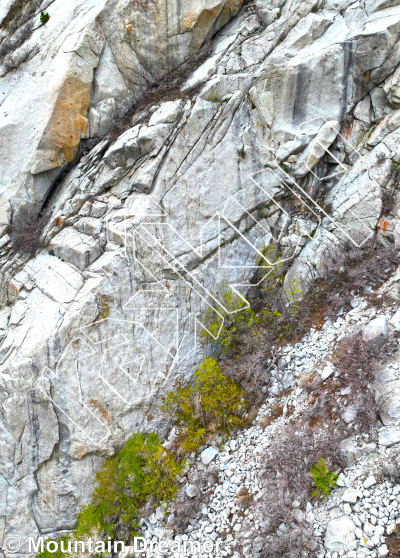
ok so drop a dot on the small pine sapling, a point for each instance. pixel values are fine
(44, 17)
(323, 480)
(211, 404)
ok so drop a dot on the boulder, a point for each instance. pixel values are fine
(383, 551)
(369, 481)
(388, 437)
(375, 328)
(317, 148)
(168, 113)
(349, 414)
(191, 490)
(388, 395)
(327, 371)
(352, 449)
(339, 533)
(128, 552)
(392, 89)
(125, 151)
(76, 247)
(395, 320)
(350, 496)
(208, 455)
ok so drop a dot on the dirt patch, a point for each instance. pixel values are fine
(393, 543)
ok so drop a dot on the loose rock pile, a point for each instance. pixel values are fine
(360, 513)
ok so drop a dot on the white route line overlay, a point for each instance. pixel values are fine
(144, 233)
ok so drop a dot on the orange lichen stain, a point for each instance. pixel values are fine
(68, 123)
(201, 21)
(231, 7)
(59, 222)
(84, 450)
(128, 28)
(383, 224)
(102, 411)
(347, 133)
(189, 20)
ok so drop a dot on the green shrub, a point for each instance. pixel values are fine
(323, 480)
(214, 97)
(279, 299)
(238, 318)
(44, 17)
(142, 468)
(105, 501)
(209, 405)
(229, 328)
(58, 554)
(273, 283)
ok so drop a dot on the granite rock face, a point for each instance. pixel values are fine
(286, 134)
(72, 78)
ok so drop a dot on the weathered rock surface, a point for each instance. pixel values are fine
(352, 449)
(75, 76)
(360, 513)
(339, 533)
(143, 229)
(208, 455)
(375, 328)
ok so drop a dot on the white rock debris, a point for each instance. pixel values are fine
(149, 153)
(358, 515)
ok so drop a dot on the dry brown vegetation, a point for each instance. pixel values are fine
(26, 236)
(167, 88)
(393, 543)
(325, 298)
(243, 498)
(318, 431)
